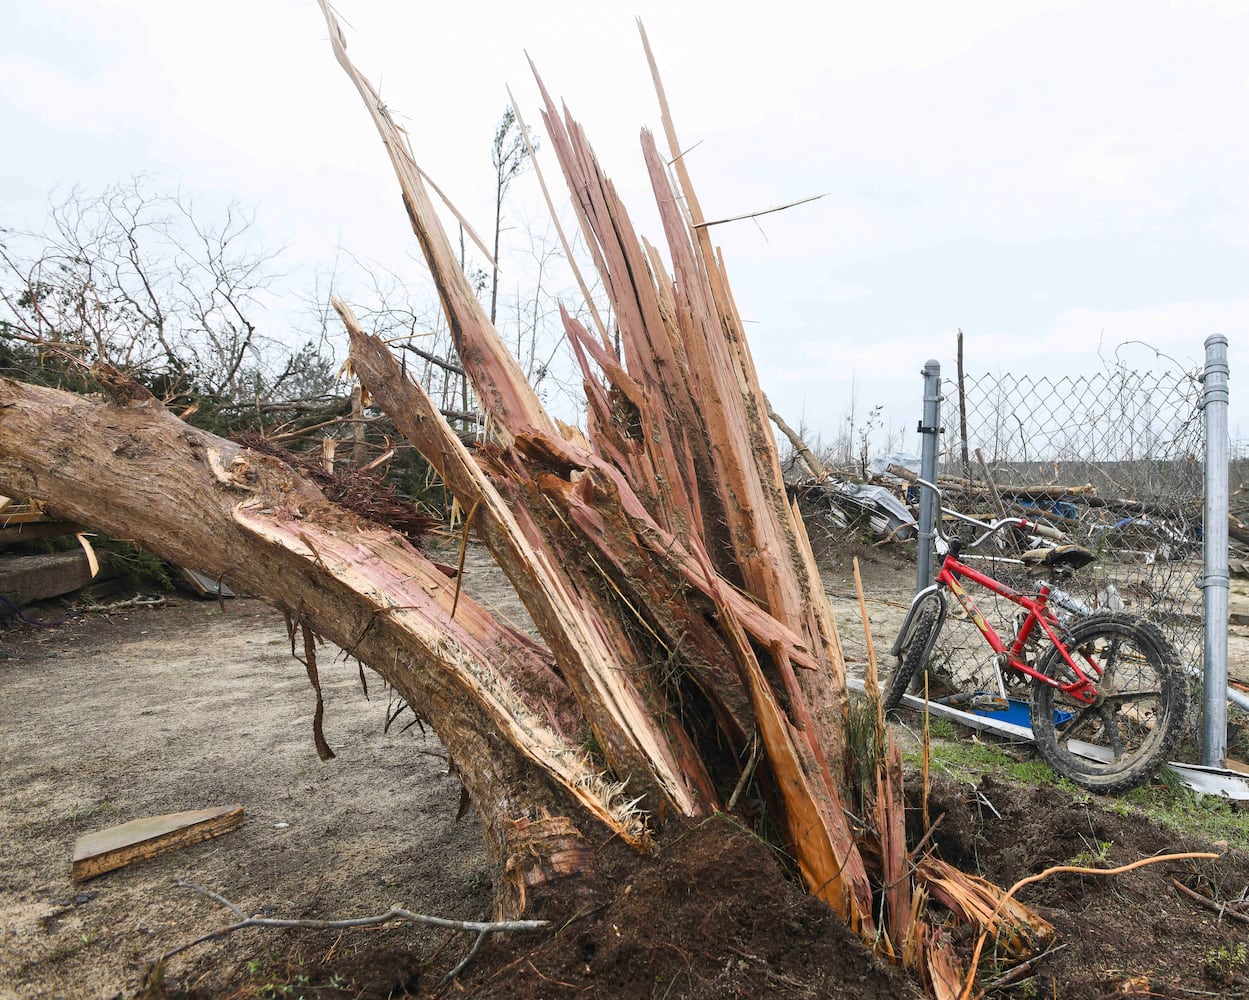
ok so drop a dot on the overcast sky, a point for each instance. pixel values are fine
(1047, 176)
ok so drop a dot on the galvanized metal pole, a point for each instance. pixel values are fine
(1215, 581)
(929, 434)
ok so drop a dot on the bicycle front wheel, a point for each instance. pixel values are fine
(911, 658)
(1124, 737)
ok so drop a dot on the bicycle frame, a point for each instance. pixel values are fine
(953, 570)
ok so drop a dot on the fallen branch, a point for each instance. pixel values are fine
(131, 602)
(1222, 909)
(480, 928)
(805, 455)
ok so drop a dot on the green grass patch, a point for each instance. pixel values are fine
(1170, 804)
(966, 760)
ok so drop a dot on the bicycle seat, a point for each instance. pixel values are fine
(1061, 559)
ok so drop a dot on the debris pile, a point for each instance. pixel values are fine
(885, 509)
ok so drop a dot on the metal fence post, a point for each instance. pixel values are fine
(929, 433)
(1214, 535)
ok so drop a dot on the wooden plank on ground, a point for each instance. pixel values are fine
(150, 837)
(24, 579)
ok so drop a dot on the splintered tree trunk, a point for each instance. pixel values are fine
(678, 484)
(681, 616)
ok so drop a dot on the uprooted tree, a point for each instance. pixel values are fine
(687, 646)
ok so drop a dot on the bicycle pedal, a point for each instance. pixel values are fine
(989, 703)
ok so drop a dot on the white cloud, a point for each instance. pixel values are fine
(1175, 328)
(1100, 161)
(59, 100)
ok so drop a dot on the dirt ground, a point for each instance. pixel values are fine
(153, 710)
(147, 710)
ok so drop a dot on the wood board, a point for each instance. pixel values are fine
(150, 837)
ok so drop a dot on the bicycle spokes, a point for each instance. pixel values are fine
(1128, 721)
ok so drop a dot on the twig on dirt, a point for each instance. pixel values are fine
(1222, 909)
(1056, 870)
(333, 948)
(480, 928)
(548, 979)
(585, 911)
(984, 800)
(215, 897)
(132, 602)
(1021, 970)
(923, 841)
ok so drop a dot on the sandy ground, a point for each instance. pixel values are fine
(143, 711)
(113, 717)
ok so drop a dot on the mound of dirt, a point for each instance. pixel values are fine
(713, 916)
(1136, 933)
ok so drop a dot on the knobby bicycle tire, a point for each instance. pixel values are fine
(1127, 737)
(911, 659)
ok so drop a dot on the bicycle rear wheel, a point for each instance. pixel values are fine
(1124, 738)
(911, 658)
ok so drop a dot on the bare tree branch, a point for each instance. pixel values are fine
(395, 913)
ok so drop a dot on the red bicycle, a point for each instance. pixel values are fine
(1108, 695)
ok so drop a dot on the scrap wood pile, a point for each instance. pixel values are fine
(1238, 531)
(1147, 529)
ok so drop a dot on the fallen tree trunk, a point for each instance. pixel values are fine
(247, 518)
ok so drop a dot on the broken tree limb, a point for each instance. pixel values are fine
(680, 444)
(593, 666)
(599, 325)
(709, 394)
(511, 401)
(814, 466)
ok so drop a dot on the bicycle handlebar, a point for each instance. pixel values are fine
(1032, 527)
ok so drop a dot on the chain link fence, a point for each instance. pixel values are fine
(1114, 459)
